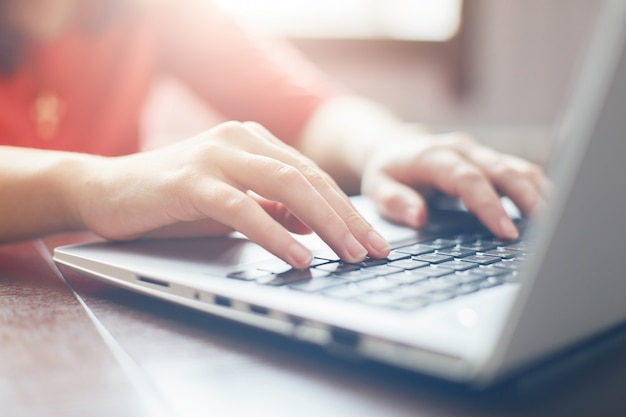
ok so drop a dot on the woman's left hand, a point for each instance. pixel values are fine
(400, 177)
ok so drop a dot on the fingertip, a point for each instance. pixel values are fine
(299, 257)
(356, 252)
(379, 244)
(414, 216)
(410, 211)
(507, 229)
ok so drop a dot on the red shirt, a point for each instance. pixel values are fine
(102, 77)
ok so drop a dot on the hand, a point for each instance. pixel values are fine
(236, 176)
(400, 177)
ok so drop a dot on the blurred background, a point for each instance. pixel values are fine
(500, 69)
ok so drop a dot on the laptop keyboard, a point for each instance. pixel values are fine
(414, 275)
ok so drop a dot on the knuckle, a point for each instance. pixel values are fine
(288, 175)
(464, 174)
(254, 125)
(535, 171)
(236, 205)
(231, 129)
(461, 140)
(316, 177)
(504, 170)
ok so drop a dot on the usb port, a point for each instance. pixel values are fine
(343, 337)
(153, 281)
(223, 301)
(259, 310)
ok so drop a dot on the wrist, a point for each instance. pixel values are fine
(73, 178)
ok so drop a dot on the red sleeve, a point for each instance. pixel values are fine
(241, 76)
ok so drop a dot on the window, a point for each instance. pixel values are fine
(424, 20)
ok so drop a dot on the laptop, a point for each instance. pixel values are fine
(451, 301)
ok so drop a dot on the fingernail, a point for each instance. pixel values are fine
(299, 256)
(355, 249)
(508, 229)
(377, 242)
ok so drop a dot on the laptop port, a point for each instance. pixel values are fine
(153, 281)
(223, 301)
(259, 310)
(343, 337)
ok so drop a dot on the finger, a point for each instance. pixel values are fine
(238, 210)
(520, 180)
(294, 157)
(454, 175)
(396, 201)
(304, 200)
(327, 189)
(281, 214)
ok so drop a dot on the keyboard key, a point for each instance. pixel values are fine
(457, 252)
(430, 271)
(367, 262)
(291, 276)
(510, 264)
(490, 282)
(378, 284)
(407, 264)
(470, 237)
(433, 258)
(395, 255)
(346, 291)
(416, 249)
(439, 296)
(520, 246)
(381, 270)
(405, 278)
(489, 270)
(356, 275)
(251, 274)
(471, 276)
(337, 267)
(503, 252)
(457, 265)
(480, 245)
(482, 259)
(319, 261)
(466, 289)
(437, 284)
(441, 243)
(317, 284)
(411, 290)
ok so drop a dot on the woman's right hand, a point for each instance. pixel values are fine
(236, 176)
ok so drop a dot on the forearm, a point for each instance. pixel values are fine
(37, 192)
(345, 132)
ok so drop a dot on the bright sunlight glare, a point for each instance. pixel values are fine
(425, 20)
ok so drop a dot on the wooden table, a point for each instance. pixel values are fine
(72, 347)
